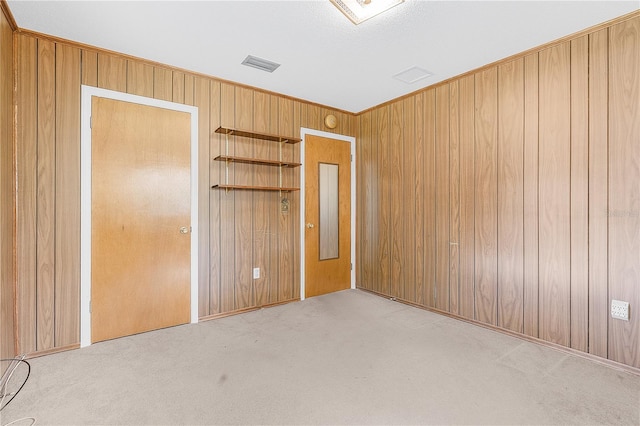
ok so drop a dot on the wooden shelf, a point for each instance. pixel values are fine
(257, 188)
(246, 160)
(255, 135)
(272, 163)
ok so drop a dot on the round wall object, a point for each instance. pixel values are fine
(331, 121)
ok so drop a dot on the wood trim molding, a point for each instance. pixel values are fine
(565, 349)
(52, 351)
(4, 6)
(242, 311)
(595, 28)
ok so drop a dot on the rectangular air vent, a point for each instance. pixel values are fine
(412, 75)
(259, 63)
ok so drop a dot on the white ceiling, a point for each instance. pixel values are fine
(325, 58)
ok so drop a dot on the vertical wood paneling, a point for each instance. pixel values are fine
(304, 115)
(227, 207)
(375, 246)
(580, 193)
(347, 123)
(244, 203)
(624, 187)
(26, 196)
(273, 202)
(454, 197)
(554, 193)
(314, 117)
(163, 84)
(112, 72)
(430, 197)
(530, 196)
(409, 201)
(420, 201)
(46, 202)
(360, 206)
(398, 201)
(510, 195)
(285, 247)
(598, 192)
(384, 205)
(188, 89)
(341, 126)
(443, 211)
(362, 149)
(367, 169)
(295, 203)
(67, 197)
(262, 200)
(7, 194)
(467, 198)
(215, 224)
(89, 68)
(178, 88)
(139, 78)
(201, 100)
(486, 233)
(366, 164)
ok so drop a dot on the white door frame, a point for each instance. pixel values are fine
(85, 197)
(303, 134)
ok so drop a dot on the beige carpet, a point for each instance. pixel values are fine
(345, 358)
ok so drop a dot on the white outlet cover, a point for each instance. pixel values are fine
(256, 273)
(620, 310)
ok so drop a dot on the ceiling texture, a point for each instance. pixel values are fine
(324, 57)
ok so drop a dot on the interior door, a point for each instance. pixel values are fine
(327, 215)
(140, 211)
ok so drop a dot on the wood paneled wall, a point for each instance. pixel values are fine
(7, 185)
(238, 230)
(511, 195)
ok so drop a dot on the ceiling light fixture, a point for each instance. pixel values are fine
(360, 10)
(259, 63)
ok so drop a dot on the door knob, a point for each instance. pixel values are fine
(310, 225)
(184, 230)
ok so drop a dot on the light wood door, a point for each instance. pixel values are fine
(140, 190)
(327, 215)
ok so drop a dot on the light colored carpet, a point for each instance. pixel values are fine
(344, 358)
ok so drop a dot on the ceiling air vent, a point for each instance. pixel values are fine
(412, 75)
(259, 63)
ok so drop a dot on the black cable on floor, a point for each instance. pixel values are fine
(9, 377)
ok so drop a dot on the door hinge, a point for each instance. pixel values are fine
(91, 121)
(352, 266)
(352, 158)
(90, 309)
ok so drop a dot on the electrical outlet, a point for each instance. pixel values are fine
(256, 273)
(620, 310)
